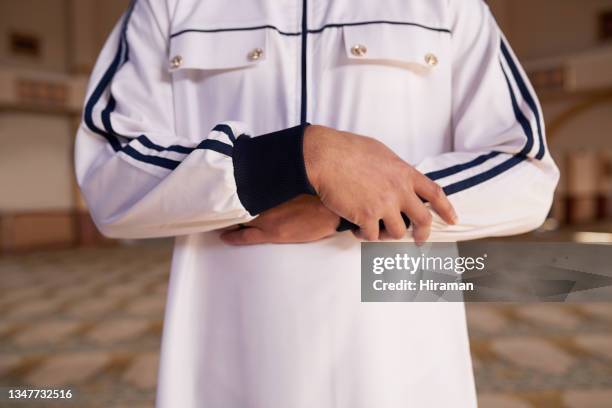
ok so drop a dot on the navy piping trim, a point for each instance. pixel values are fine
(487, 175)
(221, 30)
(304, 90)
(227, 130)
(312, 31)
(527, 95)
(109, 133)
(95, 97)
(500, 168)
(101, 87)
(406, 23)
(106, 120)
(170, 164)
(506, 165)
(217, 146)
(112, 103)
(146, 142)
(520, 116)
(449, 171)
(155, 160)
(211, 144)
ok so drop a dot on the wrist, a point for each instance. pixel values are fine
(312, 153)
(269, 170)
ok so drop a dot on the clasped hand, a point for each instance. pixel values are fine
(357, 178)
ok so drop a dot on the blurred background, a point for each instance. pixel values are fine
(81, 311)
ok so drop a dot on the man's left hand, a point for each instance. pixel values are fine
(303, 219)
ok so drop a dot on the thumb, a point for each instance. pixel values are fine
(245, 236)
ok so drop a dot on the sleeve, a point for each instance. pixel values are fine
(141, 179)
(500, 176)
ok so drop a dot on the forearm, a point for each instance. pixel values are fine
(504, 195)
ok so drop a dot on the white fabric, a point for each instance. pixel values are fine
(282, 326)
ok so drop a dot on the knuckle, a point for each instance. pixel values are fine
(368, 213)
(410, 185)
(406, 171)
(411, 171)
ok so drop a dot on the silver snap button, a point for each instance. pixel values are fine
(255, 54)
(359, 50)
(431, 60)
(176, 61)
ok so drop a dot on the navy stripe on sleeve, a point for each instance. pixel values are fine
(449, 171)
(114, 138)
(146, 142)
(520, 118)
(526, 94)
(485, 176)
(217, 146)
(227, 130)
(505, 165)
(97, 94)
(155, 160)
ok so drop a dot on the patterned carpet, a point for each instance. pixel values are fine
(90, 320)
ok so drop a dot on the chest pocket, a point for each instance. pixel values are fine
(218, 50)
(396, 79)
(224, 75)
(413, 47)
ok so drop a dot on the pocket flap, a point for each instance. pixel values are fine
(217, 49)
(404, 43)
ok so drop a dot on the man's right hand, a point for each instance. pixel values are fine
(362, 180)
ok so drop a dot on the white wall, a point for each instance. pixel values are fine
(35, 162)
(47, 19)
(542, 28)
(36, 149)
(107, 14)
(590, 130)
(92, 21)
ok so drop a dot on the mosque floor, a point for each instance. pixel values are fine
(90, 320)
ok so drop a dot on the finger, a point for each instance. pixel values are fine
(395, 228)
(385, 236)
(420, 217)
(369, 231)
(245, 236)
(433, 193)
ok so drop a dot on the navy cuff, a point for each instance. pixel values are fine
(269, 169)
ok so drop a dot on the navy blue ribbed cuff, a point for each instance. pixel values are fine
(269, 169)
